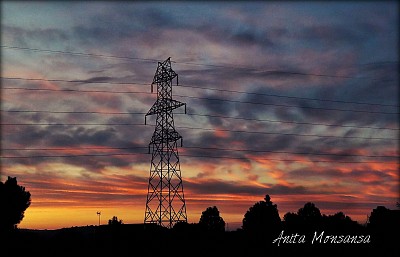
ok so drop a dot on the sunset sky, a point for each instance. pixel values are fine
(298, 100)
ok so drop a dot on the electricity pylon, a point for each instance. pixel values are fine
(165, 203)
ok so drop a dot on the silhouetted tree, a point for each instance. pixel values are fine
(378, 218)
(383, 219)
(339, 222)
(114, 221)
(309, 212)
(310, 216)
(385, 224)
(210, 220)
(262, 217)
(14, 200)
(291, 221)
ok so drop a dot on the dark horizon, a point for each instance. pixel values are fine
(328, 237)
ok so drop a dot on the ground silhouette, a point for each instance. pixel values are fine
(191, 239)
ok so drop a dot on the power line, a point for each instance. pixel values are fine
(281, 160)
(202, 148)
(77, 90)
(188, 155)
(67, 156)
(289, 152)
(205, 129)
(281, 72)
(77, 148)
(285, 105)
(291, 122)
(190, 114)
(74, 124)
(287, 134)
(285, 96)
(243, 68)
(78, 53)
(81, 81)
(187, 86)
(201, 98)
(72, 112)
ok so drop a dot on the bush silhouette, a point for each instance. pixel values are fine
(210, 220)
(310, 216)
(114, 221)
(383, 219)
(262, 217)
(385, 225)
(292, 221)
(339, 222)
(14, 200)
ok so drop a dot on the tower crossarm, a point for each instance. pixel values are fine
(165, 105)
(170, 135)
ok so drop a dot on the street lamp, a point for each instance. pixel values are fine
(99, 213)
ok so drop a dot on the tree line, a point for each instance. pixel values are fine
(262, 220)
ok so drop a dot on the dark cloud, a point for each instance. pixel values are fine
(326, 35)
(24, 37)
(81, 136)
(75, 138)
(231, 35)
(361, 176)
(223, 187)
(93, 35)
(214, 106)
(85, 189)
(97, 79)
(130, 24)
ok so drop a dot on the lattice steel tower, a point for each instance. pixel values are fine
(165, 203)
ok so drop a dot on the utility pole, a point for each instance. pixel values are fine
(165, 203)
(98, 214)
